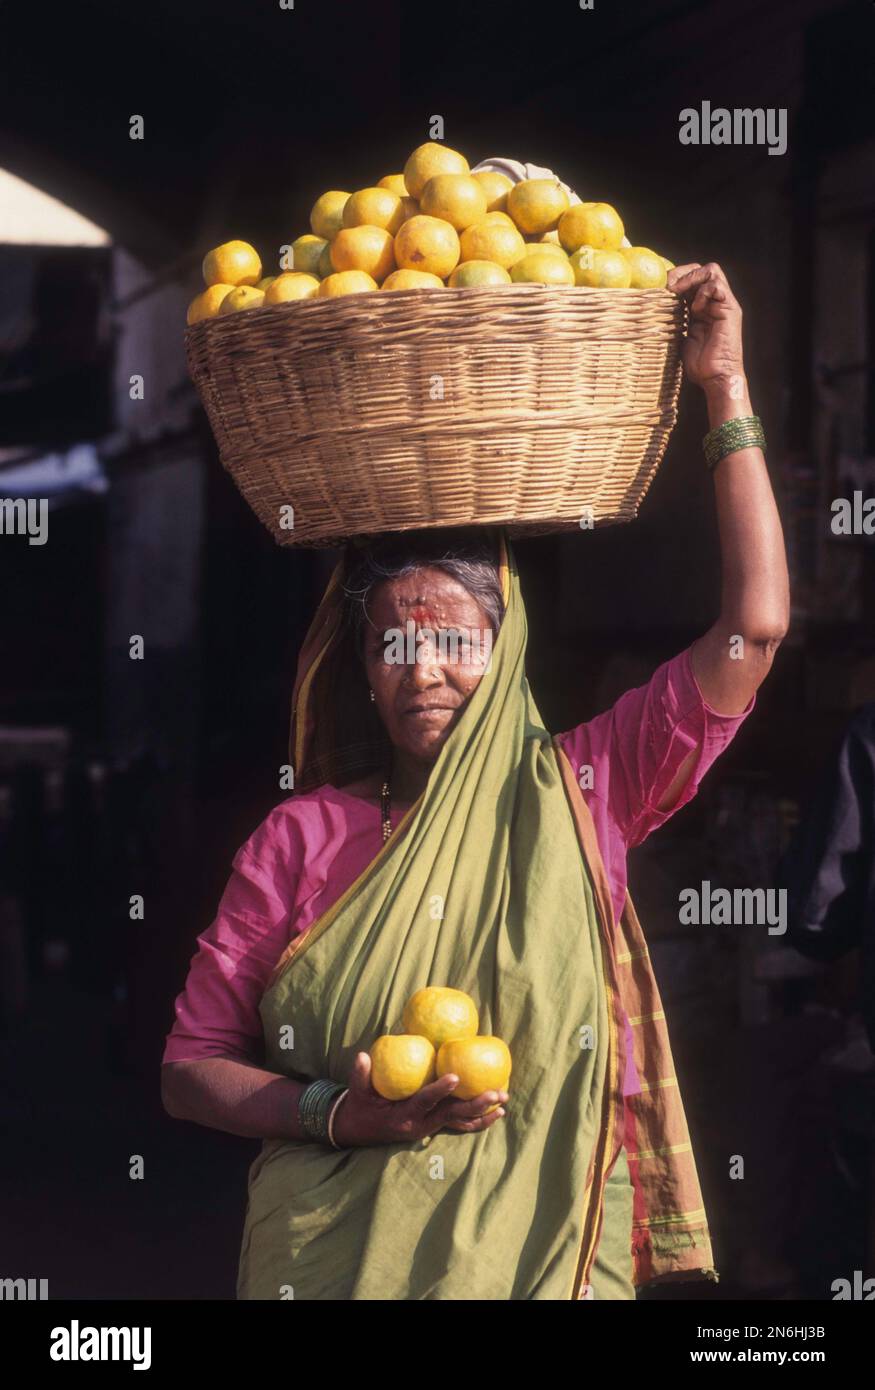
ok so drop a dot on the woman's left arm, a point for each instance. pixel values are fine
(755, 604)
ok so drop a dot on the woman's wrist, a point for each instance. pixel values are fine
(727, 398)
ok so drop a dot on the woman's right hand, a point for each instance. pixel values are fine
(365, 1117)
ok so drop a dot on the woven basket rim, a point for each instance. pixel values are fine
(498, 292)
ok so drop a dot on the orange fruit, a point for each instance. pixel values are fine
(492, 239)
(346, 282)
(242, 297)
(409, 208)
(604, 270)
(326, 214)
(540, 269)
(232, 263)
(430, 159)
(545, 248)
(591, 224)
(481, 1064)
(395, 184)
(364, 248)
(207, 304)
(536, 205)
(401, 1064)
(440, 1013)
(412, 280)
(496, 187)
(470, 273)
(293, 284)
(455, 198)
(647, 270)
(306, 251)
(325, 265)
(374, 207)
(427, 243)
(266, 283)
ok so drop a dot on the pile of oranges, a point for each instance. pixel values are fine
(435, 226)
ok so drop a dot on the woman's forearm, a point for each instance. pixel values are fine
(755, 601)
(232, 1096)
(756, 596)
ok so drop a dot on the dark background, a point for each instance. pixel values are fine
(120, 777)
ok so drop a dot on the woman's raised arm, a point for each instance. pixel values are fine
(735, 655)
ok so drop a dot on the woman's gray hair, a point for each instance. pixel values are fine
(466, 555)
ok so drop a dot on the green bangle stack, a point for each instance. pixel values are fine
(314, 1107)
(746, 432)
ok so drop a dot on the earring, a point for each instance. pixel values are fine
(373, 696)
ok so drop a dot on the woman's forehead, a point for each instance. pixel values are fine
(423, 596)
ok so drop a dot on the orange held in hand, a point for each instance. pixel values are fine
(481, 1064)
(439, 1013)
(401, 1064)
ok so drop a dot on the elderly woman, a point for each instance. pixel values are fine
(440, 835)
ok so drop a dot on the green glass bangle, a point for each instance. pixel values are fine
(314, 1107)
(744, 433)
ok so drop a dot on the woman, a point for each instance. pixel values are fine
(501, 872)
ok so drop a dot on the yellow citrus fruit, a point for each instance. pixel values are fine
(412, 280)
(427, 243)
(374, 207)
(591, 224)
(646, 268)
(266, 283)
(242, 297)
(493, 239)
(430, 159)
(456, 198)
(549, 238)
(401, 1064)
(669, 265)
(439, 1013)
(325, 265)
(207, 304)
(409, 208)
(326, 214)
(496, 187)
(364, 248)
(500, 217)
(540, 269)
(306, 251)
(291, 285)
(481, 1064)
(346, 282)
(604, 270)
(536, 205)
(232, 263)
(544, 248)
(469, 273)
(395, 184)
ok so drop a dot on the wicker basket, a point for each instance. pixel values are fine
(521, 405)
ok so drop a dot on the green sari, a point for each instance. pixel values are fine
(484, 886)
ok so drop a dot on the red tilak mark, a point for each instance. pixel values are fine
(421, 617)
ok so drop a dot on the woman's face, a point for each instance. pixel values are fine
(423, 676)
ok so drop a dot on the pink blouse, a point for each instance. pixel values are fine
(310, 848)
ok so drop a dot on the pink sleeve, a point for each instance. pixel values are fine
(217, 1013)
(636, 748)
